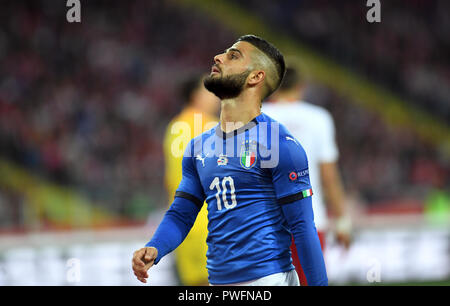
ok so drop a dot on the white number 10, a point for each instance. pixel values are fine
(216, 184)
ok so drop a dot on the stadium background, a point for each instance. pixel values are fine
(84, 107)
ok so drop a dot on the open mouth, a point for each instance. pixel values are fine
(214, 69)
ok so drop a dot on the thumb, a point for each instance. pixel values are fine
(149, 254)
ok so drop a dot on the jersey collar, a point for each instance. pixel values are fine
(238, 131)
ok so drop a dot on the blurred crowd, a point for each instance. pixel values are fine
(86, 104)
(407, 52)
(379, 163)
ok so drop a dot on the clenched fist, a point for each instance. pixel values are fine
(142, 260)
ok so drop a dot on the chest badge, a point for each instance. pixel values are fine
(222, 160)
(248, 154)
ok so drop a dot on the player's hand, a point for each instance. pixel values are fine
(343, 231)
(142, 260)
(344, 239)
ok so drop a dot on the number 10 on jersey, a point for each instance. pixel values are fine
(216, 184)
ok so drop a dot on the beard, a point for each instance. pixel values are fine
(227, 87)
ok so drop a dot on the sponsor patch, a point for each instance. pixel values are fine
(295, 175)
(222, 160)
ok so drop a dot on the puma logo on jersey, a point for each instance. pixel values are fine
(202, 159)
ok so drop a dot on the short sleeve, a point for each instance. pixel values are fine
(327, 151)
(291, 176)
(190, 186)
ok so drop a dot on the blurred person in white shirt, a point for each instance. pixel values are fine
(313, 127)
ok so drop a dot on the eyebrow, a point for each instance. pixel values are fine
(234, 49)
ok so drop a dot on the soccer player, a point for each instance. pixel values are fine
(197, 116)
(313, 126)
(254, 177)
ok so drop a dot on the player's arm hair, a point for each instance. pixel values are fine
(175, 225)
(300, 218)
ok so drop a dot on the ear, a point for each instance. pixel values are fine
(256, 77)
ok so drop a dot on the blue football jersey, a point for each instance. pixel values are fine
(245, 176)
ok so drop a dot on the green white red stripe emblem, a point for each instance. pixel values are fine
(248, 159)
(248, 154)
(307, 193)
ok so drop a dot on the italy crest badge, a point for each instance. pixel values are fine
(248, 154)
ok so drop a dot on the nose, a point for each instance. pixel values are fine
(218, 59)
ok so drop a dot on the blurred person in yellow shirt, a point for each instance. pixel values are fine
(199, 115)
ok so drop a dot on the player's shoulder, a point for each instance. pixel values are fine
(301, 109)
(285, 139)
(195, 145)
(179, 121)
(275, 124)
(184, 116)
(319, 112)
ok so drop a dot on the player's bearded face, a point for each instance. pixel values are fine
(226, 87)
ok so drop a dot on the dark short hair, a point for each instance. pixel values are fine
(271, 51)
(291, 79)
(189, 85)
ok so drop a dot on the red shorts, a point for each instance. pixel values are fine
(296, 261)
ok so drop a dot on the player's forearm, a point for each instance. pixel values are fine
(311, 256)
(174, 227)
(335, 198)
(301, 222)
(333, 189)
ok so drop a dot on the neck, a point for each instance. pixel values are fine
(237, 112)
